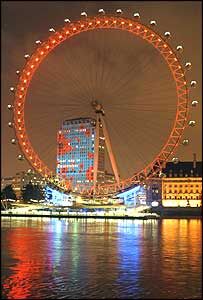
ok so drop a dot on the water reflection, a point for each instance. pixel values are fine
(74, 259)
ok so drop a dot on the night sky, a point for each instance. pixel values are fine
(126, 74)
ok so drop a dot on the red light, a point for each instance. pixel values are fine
(19, 104)
(130, 24)
(22, 88)
(74, 28)
(18, 112)
(53, 42)
(32, 66)
(41, 52)
(36, 59)
(23, 143)
(21, 135)
(20, 96)
(138, 27)
(28, 73)
(67, 32)
(25, 81)
(60, 36)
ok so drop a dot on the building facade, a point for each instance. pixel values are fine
(75, 152)
(182, 185)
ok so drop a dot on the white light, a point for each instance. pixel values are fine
(167, 34)
(188, 65)
(155, 203)
(12, 89)
(136, 15)
(185, 142)
(192, 123)
(119, 11)
(13, 141)
(179, 48)
(153, 23)
(194, 103)
(38, 42)
(17, 72)
(175, 160)
(83, 14)
(9, 106)
(193, 83)
(67, 20)
(101, 11)
(10, 124)
(51, 30)
(26, 55)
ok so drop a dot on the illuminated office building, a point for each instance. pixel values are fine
(75, 152)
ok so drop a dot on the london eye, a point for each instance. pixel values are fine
(122, 74)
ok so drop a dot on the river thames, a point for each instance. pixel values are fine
(101, 259)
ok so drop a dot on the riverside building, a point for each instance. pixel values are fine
(75, 152)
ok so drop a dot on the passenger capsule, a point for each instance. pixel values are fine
(136, 15)
(185, 142)
(38, 42)
(26, 56)
(51, 30)
(10, 124)
(83, 14)
(20, 157)
(167, 34)
(192, 123)
(12, 89)
(175, 160)
(9, 106)
(67, 20)
(13, 141)
(179, 48)
(101, 11)
(17, 72)
(119, 11)
(153, 23)
(188, 65)
(194, 103)
(193, 83)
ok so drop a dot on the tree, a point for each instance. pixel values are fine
(31, 191)
(8, 193)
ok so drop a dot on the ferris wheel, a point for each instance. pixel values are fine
(136, 29)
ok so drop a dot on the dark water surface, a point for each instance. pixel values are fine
(101, 259)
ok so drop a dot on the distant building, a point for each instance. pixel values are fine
(75, 152)
(182, 185)
(20, 180)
